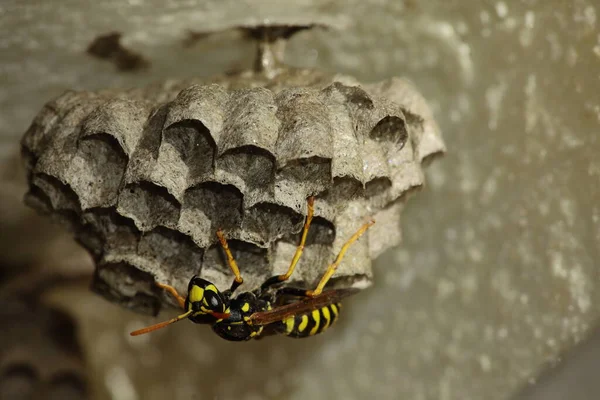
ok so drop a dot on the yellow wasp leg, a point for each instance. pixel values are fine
(300, 248)
(230, 261)
(332, 267)
(274, 280)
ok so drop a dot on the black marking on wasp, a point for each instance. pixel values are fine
(268, 310)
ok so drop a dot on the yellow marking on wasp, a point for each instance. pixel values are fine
(327, 316)
(196, 294)
(289, 325)
(316, 316)
(212, 288)
(335, 310)
(303, 323)
(257, 332)
(205, 302)
(246, 307)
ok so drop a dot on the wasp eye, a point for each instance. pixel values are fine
(212, 301)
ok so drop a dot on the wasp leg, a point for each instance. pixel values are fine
(332, 267)
(173, 292)
(237, 281)
(281, 278)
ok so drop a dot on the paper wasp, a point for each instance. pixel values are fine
(270, 309)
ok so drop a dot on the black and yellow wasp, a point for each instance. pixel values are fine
(270, 309)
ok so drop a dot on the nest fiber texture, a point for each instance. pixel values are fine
(145, 177)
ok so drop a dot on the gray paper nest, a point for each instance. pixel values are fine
(145, 177)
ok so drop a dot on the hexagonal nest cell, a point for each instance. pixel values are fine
(145, 177)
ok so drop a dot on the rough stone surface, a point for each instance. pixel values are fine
(497, 276)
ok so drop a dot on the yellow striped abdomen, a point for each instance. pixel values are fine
(310, 323)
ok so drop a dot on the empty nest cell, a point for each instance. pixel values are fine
(208, 207)
(149, 206)
(249, 168)
(188, 149)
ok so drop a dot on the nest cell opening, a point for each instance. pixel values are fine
(149, 206)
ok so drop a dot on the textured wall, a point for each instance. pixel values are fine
(498, 273)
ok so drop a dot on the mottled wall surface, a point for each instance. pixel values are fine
(498, 273)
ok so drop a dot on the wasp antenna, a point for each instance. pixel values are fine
(160, 324)
(332, 267)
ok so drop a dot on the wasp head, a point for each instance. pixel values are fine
(205, 301)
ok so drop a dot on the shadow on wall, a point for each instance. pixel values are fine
(575, 376)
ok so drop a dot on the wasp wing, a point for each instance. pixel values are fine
(304, 305)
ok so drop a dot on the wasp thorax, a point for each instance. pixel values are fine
(236, 328)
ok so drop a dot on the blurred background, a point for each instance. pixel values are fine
(494, 293)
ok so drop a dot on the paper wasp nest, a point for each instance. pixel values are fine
(145, 177)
